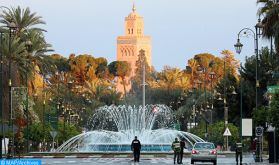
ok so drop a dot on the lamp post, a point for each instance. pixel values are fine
(142, 57)
(199, 94)
(44, 111)
(1, 81)
(203, 70)
(238, 47)
(1, 91)
(12, 27)
(212, 77)
(225, 102)
(241, 95)
(194, 112)
(29, 46)
(64, 113)
(59, 102)
(226, 139)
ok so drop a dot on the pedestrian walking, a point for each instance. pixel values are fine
(238, 152)
(182, 146)
(176, 148)
(135, 147)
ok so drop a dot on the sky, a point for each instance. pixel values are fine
(179, 29)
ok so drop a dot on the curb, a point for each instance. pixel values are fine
(99, 156)
(109, 155)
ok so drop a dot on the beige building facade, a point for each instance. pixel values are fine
(129, 45)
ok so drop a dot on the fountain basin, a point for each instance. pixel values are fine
(127, 148)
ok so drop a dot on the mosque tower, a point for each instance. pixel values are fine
(129, 45)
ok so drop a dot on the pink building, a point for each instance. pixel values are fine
(129, 45)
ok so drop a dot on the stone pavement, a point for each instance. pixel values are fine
(145, 160)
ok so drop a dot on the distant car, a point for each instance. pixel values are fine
(204, 152)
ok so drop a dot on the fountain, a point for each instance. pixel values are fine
(113, 128)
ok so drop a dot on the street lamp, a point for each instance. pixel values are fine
(12, 28)
(1, 77)
(241, 95)
(1, 90)
(44, 111)
(142, 57)
(199, 83)
(226, 109)
(29, 47)
(238, 46)
(202, 116)
(203, 70)
(212, 77)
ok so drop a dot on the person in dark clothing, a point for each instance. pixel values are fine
(182, 146)
(135, 147)
(176, 148)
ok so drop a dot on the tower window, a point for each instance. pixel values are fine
(129, 31)
(132, 31)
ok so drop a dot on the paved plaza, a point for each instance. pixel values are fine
(248, 159)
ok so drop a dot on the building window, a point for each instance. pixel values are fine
(132, 31)
(128, 31)
(125, 52)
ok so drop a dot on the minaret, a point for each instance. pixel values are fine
(129, 45)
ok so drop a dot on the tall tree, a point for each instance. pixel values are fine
(266, 67)
(270, 11)
(231, 63)
(121, 69)
(137, 79)
(274, 111)
(201, 66)
(87, 68)
(173, 78)
(14, 46)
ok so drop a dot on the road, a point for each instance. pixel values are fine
(222, 160)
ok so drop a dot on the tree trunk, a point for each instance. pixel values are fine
(15, 77)
(124, 86)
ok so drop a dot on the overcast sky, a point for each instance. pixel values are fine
(179, 28)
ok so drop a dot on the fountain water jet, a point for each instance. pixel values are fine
(114, 127)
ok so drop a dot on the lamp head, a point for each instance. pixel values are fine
(259, 24)
(28, 45)
(238, 46)
(12, 25)
(234, 92)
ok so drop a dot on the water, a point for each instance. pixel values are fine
(114, 127)
(126, 147)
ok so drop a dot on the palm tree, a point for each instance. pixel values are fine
(25, 31)
(23, 18)
(25, 22)
(270, 22)
(172, 78)
(13, 55)
(17, 52)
